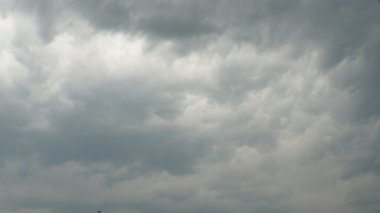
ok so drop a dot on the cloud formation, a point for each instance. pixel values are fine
(189, 106)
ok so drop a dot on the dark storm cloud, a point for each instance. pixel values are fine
(112, 15)
(90, 133)
(184, 106)
(92, 139)
(175, 27)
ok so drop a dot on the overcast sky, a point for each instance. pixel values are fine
(192, 106)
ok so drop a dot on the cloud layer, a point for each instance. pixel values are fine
(189, 106)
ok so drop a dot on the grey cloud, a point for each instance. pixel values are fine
(175, 27)
(90, 133)
(113, 15)
(253, 106)
(46, 13)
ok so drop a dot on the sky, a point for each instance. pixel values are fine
(167, 106)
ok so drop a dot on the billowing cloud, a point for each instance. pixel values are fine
(183, 106)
